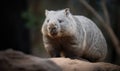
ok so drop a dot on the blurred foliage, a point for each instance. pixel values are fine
(32, 22)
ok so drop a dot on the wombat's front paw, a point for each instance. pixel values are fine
(80, 58)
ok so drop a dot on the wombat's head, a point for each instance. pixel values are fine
(57, 23)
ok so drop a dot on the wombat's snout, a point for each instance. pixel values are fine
(52, 28)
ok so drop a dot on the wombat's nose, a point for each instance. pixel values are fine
(52, 29)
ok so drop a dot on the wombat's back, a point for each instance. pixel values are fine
(94, 43)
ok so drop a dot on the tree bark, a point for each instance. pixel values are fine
(105, 11)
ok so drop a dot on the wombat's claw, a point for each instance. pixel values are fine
(83, 59)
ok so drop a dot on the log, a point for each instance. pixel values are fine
(11, 60)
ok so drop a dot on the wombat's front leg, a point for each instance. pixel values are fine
(53, 52)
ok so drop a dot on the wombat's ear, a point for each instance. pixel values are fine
(67, 11)
(46, 12)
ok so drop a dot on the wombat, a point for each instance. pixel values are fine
(75, 36)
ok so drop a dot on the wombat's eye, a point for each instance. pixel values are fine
(60, 21)
(48, 20)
